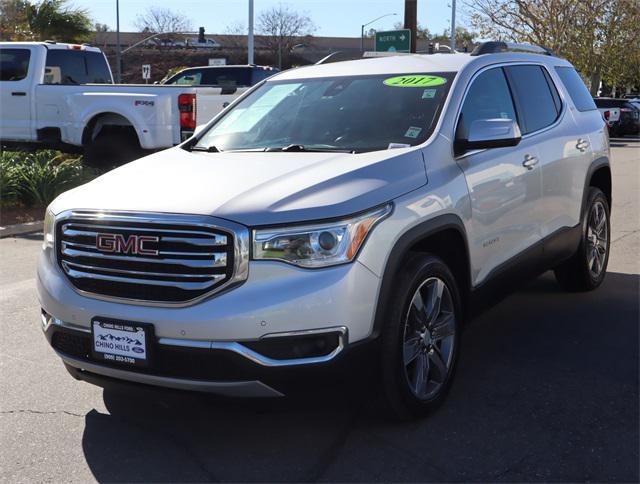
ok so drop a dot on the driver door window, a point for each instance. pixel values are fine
(487, 98)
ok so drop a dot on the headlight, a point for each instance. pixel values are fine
(48, 228)
(317, 245)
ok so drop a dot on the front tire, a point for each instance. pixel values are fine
(421, 338)
(587, 268)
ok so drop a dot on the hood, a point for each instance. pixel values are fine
(253, 188)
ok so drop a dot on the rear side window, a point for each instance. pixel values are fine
(575, 87)
(487, 98)
(14, 64)
(260, 74)
(65, 67)
(97, 68)
(533, 96)
(228, 77)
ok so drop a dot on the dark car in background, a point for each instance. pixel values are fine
(230, 77)
(629, 122)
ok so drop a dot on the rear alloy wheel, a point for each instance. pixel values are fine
(587, 268)
(421, 337)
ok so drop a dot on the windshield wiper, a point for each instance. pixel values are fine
(206, 149)
(298, 147)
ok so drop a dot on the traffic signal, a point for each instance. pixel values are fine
(201, 35)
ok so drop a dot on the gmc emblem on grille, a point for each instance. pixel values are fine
(120, 244)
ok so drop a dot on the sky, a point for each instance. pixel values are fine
(335, 18)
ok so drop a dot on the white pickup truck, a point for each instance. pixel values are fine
(63, 96)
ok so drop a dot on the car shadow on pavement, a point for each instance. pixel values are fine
(547, 389)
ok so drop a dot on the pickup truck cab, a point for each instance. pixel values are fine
(63, 96)
(335, 211)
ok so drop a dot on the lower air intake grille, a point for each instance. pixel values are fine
(149, 258)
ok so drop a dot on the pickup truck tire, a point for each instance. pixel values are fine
(586, 269)
(112, 147)
(420, 342)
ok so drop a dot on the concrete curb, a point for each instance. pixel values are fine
(20, 229)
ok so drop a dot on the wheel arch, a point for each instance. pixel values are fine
(600, 177)
(444, 236)
(99, 121)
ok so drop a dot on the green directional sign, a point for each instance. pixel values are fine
(393, 41)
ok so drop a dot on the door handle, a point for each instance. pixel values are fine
(582, 144)
(529, 162)
(18, 93)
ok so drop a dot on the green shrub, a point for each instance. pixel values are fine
(8, 187)
(37, 178)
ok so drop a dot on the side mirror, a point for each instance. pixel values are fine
(490, 133)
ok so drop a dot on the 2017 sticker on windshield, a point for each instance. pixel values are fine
(415, 81)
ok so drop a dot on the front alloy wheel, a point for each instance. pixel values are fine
(420, 338)
(429, 338)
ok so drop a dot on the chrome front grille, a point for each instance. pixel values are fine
(150, 258)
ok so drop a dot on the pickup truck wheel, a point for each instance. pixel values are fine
(420, 342)
(586, 269)
(112, 148)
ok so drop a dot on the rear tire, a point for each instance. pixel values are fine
(587, 268)
(111, 148)
(421, 338)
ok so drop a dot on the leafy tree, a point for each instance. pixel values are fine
(600, 37)
(281, 29)
(48, 19)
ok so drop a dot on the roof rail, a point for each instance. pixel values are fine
(494, 47)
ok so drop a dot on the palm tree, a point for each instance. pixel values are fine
(47, 19)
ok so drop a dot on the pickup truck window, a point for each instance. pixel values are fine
(76, 67)
(14, 64)
(97, 68)
(354, 113)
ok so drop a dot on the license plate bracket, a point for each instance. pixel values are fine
(126, 343)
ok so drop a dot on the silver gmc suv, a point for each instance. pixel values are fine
(369, 204)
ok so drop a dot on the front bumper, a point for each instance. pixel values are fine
(210, 346)
(211, 370)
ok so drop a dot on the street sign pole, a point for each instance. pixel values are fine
(453, 26)
(118, 58)
(250, 35)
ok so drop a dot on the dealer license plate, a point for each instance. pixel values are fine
(121, 342)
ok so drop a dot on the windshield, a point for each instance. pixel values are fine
(356, 113)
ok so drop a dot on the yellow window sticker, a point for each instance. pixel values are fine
(415, 81)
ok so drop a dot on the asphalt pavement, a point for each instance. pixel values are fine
(547, 390)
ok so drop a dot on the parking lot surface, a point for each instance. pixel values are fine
(547, 390)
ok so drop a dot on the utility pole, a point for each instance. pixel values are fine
(118, 58)
(250, 35)
(453, 26)
(411, 21)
